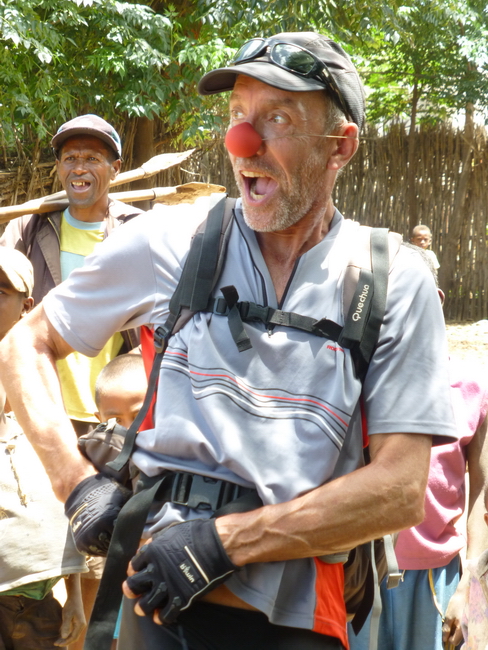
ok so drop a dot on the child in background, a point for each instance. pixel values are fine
(37, 546)
(422, 237)
(120, 389)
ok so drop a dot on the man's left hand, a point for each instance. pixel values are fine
(92, 508)
(183, 563)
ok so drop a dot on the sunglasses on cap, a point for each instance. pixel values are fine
(294, 59)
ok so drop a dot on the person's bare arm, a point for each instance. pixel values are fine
(28, 355)
(384, 497)
(74, 621)
(477, 531)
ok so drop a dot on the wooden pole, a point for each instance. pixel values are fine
(149, 168)
(186, 193)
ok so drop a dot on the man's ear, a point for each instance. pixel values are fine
(27, 305)
(346, 146)
(115, 169)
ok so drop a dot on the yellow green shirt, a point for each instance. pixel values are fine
(78, 373)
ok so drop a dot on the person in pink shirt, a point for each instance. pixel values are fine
(425, 611)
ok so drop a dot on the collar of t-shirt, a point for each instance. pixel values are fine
(77, 240)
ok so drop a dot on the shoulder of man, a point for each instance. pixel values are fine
(20, 232)
(122, 212)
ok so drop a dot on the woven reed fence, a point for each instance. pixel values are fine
(372, 189)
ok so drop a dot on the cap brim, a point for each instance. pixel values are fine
(223, 79)
(59, 138)
(16, 280)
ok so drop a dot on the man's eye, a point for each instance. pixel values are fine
(278, 119)
(236, 114)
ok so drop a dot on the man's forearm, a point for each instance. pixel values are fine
(383, 497)
(28, 373)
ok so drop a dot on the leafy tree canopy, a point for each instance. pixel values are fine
(432, 58)
(60, 58)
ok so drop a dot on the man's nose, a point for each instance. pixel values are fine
(79, 166)
(243, 141)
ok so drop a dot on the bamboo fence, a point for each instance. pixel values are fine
(372, 189)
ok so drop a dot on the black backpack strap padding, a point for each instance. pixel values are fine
(208, 246)
(380, 263)
(384, 247)
(205, 259)
(365, 291)
(207, 249)
(359, 309)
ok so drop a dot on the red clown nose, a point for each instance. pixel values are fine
(242, 140)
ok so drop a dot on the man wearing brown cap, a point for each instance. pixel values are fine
(88, 156)
(266, 418)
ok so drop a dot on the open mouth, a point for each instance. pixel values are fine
(80, 185)
(258, 185)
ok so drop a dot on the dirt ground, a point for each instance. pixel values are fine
(469, 341)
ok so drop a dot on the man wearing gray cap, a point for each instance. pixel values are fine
(269, 417)
(88, 154)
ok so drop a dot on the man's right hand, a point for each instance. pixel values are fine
(92, 508)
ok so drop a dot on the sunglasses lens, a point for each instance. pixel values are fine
(293, 58)
(249, 49)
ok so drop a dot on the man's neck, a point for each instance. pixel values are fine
(92, 214)
(282, 249)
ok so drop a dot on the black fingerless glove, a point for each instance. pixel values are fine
(183, 563)
(92, 509)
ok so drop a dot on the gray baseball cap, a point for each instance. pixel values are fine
(88, 125)
(289, 68)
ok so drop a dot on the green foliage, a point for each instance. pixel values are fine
(434, 54)
(60, 57)
(122, 60)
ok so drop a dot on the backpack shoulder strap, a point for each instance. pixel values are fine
(202, 267)
(365, 290)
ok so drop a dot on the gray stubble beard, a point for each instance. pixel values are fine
(293, 205)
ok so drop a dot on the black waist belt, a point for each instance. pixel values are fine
(196, 491)
(181, 488)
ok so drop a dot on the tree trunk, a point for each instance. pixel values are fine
(143, 150)
(412, 167)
